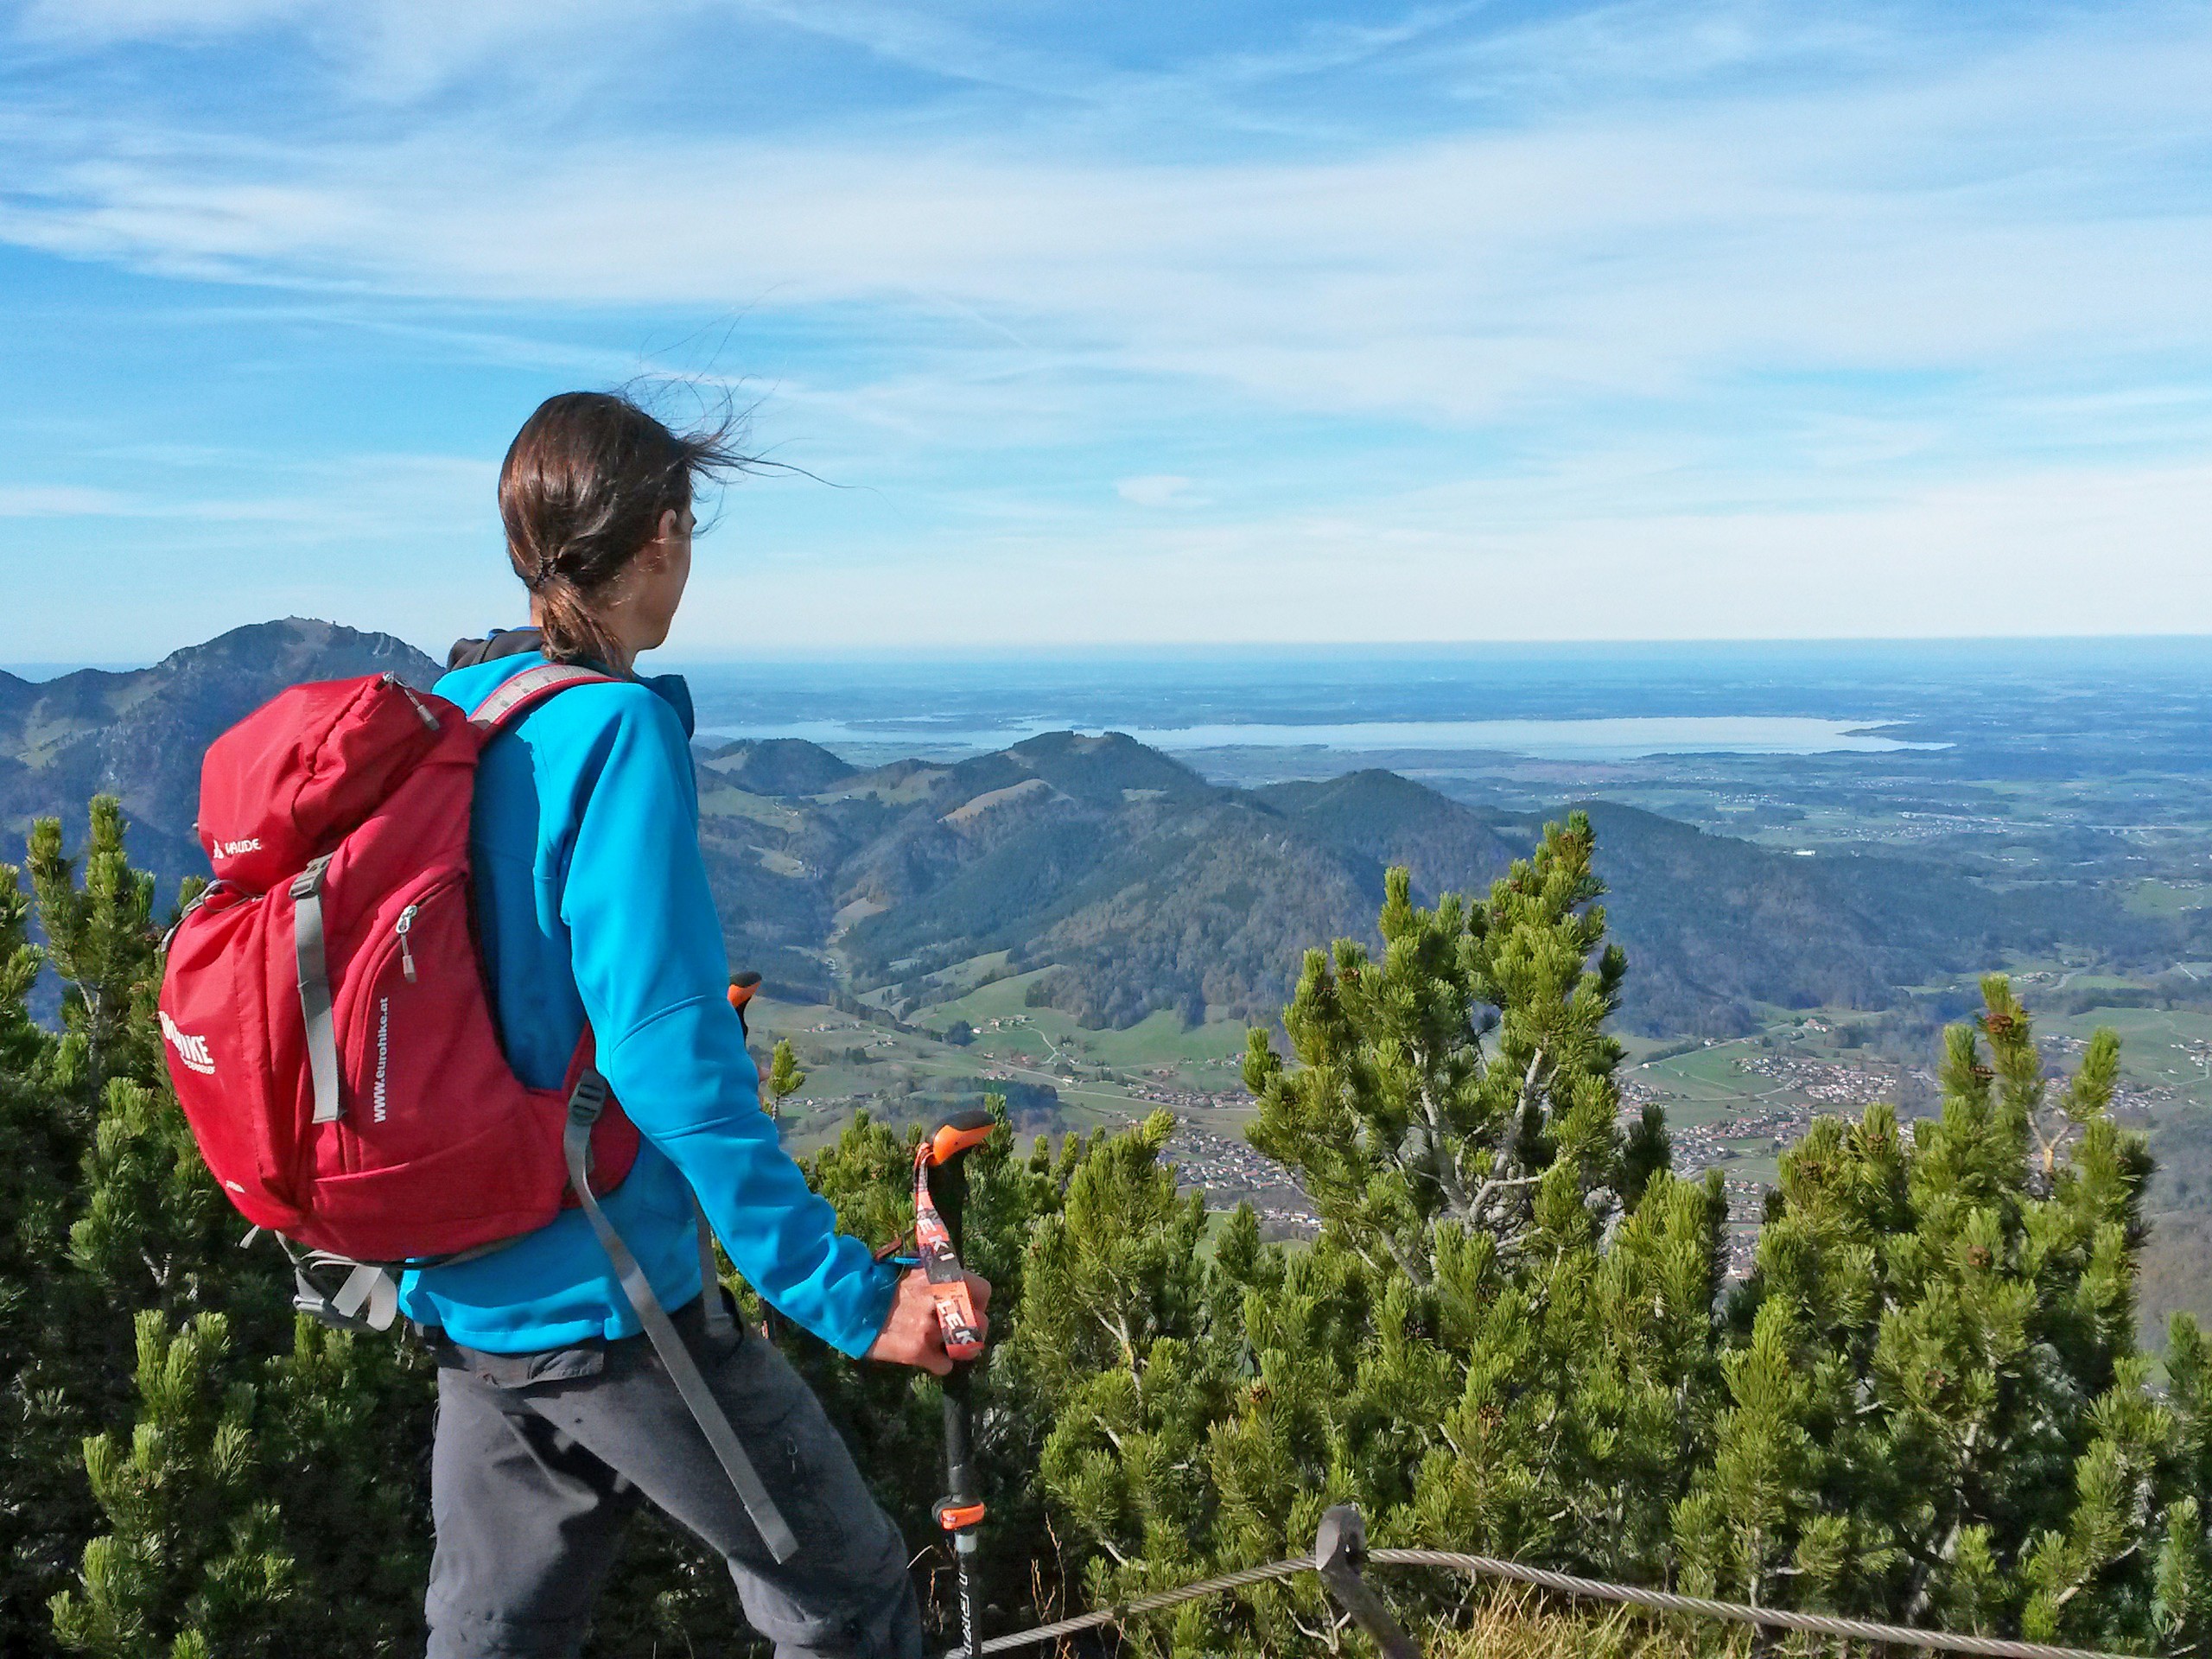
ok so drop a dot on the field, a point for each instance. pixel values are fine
(1738, 1104)
(1733, 1105)
(1059, 1078)
(1099, 1076)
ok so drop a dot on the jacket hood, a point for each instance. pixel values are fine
(500, 642)
(671, 688)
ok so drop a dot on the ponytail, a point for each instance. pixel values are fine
(570, 630)
(581, 492)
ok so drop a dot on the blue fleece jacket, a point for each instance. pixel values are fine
(591, 901)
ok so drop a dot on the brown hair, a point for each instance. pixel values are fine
(583, 490)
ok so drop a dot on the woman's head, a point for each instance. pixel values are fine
(597, 498)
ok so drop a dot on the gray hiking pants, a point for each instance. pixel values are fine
(539, 1459)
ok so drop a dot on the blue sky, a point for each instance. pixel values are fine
(1133, 323)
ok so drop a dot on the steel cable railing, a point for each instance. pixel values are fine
(1858, 1629)
(1340, 1552)
(1152, 1603)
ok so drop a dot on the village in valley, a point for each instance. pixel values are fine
(1732, 1105)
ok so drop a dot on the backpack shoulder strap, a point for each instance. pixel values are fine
(516, 697)
(586, 1101)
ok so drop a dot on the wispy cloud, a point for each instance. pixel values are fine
(85, 24)
(1735, 269)
(403, 543)
(1518, 563)
(1960, 221)
(1156, 490)
(56, 500)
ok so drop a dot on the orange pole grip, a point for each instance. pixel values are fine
(949, 1142)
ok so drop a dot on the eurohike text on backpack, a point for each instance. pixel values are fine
(331, 1038)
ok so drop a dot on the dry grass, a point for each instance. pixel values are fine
(1515, 1622)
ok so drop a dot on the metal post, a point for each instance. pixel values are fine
(1338, 1551)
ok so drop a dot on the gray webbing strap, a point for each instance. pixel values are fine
(510, 696)
(366, 1297)
(371, 1287)
(314, 990)
(719, 1322)
(585, 1104)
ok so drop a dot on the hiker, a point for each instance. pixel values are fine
(555, 1419)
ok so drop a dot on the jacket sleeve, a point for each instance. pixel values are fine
(652, 973)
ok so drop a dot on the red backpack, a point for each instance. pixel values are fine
(327, 1029)
(324, 1004)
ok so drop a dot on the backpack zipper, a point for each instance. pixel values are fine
(408, 691)
(406, 956)
(185, 915)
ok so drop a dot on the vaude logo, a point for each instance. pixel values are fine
(232, 848)
(384, 1051)
(192, 1050)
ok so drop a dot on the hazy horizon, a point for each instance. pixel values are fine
(1351, 651)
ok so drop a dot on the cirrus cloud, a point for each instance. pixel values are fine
(1720, 263)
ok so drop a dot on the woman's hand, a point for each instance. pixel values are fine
(912, 1335)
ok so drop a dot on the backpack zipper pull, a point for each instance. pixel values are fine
(406, 956)
(408, 691)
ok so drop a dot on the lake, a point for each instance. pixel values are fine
(2031, 708)
(1621, 737)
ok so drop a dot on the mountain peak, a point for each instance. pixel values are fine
(1104, 767)
(140, 735)
(779, 765)
(296, 648)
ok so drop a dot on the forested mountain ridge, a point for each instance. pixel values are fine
(778, 765)
(139, 734)
(1179, 895)
(1185, 895)
(1139, 884)
(1714, 924)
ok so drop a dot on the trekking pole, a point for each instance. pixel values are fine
(743, 988)
(940, 1196)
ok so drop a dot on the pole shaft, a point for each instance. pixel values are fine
(949, 1191)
